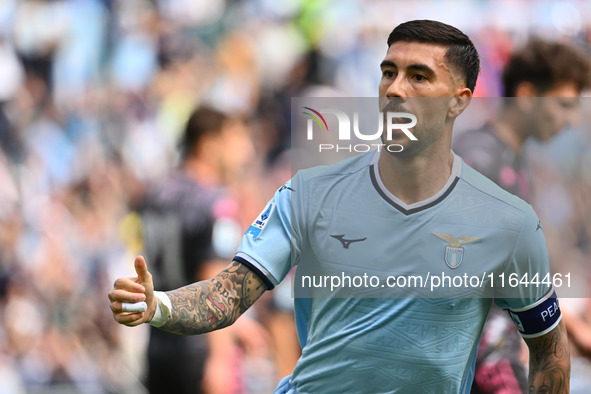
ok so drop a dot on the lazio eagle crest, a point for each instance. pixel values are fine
(454, 253)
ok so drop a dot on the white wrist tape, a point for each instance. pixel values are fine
(134, 307)
(163, 308)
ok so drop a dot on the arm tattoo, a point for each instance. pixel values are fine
(216, 303)
(549, 363)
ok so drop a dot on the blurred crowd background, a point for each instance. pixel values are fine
(93, 98)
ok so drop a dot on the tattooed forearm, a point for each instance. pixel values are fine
(216, 303)
(549, 362)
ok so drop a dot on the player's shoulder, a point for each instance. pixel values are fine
(488, 190)
(483, 136)
(481, 149)
(338, 170)
(180, 193)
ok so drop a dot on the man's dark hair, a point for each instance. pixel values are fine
(203, 121)
(545, 64)
(461, 53)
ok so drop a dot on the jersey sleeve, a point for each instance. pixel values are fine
(268, 245)
(529, 297)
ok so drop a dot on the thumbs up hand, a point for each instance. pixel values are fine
(129, 294)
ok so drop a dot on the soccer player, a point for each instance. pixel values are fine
(543, 81)
(418, 210)
(187, 222)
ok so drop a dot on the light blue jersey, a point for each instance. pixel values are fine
(341, 220)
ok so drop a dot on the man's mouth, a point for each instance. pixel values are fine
(394, 107)
(400, 120)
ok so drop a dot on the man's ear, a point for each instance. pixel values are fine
(524, 93)
(458, 104)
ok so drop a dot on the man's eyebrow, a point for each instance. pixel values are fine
(416, 67)
(387, 63)
(421, 67)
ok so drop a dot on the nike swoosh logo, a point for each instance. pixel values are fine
(347, 242)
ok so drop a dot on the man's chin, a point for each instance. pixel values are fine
(396, 149)
(396, 141)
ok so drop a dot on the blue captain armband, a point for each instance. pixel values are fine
(539, 318)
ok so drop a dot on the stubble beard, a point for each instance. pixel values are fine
(426, 133)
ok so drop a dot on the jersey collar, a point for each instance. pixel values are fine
(408, 209)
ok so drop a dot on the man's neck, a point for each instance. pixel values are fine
(510, 131)
(417, 178)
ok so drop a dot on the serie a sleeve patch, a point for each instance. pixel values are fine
(261, 221)
(539, 318)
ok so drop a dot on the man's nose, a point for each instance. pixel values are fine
(397, 88)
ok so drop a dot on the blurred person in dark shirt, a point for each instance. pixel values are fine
(188, 227)
(556, 74)
(542, 83)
